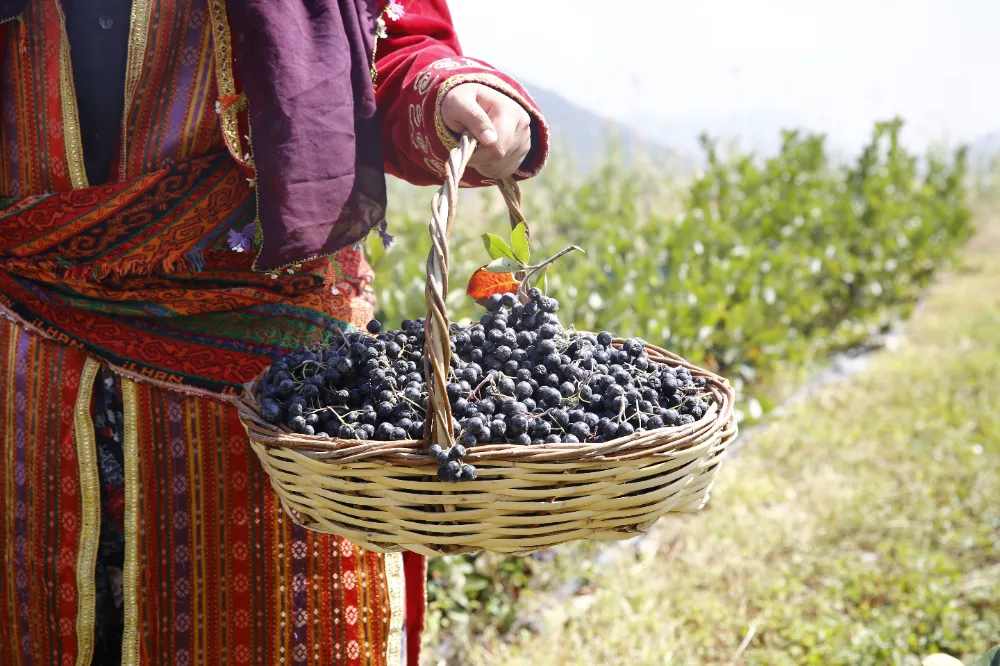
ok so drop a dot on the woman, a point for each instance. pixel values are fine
(175, 175)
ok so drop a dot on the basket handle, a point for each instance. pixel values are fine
(437, 356)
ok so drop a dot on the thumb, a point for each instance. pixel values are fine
(477, 123)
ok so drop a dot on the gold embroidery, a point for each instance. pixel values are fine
(228, 113)
(72, 141)
(90, 529)
(137, 39)
(10, 373)
(396, 585)
(491, 80)
(130, 584)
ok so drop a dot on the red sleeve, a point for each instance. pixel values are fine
(416, 64)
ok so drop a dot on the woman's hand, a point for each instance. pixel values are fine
(500, 125)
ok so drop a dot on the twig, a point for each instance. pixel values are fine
(744, 645)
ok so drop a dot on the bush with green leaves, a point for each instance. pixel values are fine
(750, 263)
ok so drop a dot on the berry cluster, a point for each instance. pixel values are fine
(517, 377)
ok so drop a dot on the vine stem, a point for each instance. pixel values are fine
(532, 271)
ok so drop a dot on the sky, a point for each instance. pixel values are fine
(674, 67)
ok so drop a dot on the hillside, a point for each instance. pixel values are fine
(585, 135)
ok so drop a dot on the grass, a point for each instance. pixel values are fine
(861, 528)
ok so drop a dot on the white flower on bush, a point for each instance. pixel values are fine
(770, 296)
(815, 266)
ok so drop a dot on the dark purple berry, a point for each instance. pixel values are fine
(518, 424)
(270, 410)
(548, 396)
(285, 388)
(498, 429)
(580, 430)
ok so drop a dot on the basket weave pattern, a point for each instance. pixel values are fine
(385, 496)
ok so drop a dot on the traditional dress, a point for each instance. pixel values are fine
(136, 526)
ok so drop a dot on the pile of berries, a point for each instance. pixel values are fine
(517, 377)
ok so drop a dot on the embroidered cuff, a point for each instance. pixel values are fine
(468, 70)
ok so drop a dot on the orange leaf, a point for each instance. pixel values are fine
(484, 284)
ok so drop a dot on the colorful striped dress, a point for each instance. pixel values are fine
(137, 525)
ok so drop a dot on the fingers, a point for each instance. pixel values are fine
(499, 123)
(462, 112)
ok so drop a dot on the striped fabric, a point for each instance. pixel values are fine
(218, 567)
(48, 503)
(214, 571)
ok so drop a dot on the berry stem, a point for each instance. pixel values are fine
(532, 271)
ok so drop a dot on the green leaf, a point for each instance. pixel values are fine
(519, 241)
(991, 658)
(497, 247)
(503, 265)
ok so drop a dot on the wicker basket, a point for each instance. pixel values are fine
(385, 496)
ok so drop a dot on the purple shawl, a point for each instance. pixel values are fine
(305, 67)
